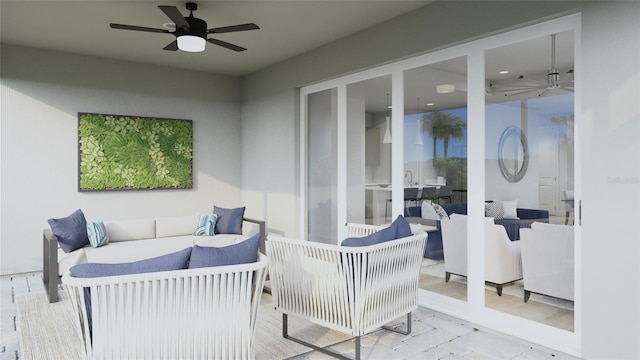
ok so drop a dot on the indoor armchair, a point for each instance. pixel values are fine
(548, 260)
(502, 263)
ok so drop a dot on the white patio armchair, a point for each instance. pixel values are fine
(203, 313)
(502, 263)
(354, 290)
(548, 260)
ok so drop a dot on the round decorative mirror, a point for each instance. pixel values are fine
(513, 154)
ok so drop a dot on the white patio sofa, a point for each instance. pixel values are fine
(202, 313)
(354, 290)
(132, 240)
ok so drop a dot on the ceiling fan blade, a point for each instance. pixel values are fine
(173, 46)
(504, 89)
(138, 28)
(525, 91)
(511, 91)
(233, 28)
(174, 14)
(226, 45)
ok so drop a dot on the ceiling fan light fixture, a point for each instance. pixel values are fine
(445, 88)
(191, 43)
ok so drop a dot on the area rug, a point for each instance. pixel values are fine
(46, 331)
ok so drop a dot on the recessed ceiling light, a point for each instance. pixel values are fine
(503, 72)
(429, 104)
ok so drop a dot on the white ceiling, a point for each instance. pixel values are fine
(287, 28)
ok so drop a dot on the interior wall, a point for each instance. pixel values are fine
(42, 93)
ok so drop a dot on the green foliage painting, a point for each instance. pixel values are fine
(131, 153)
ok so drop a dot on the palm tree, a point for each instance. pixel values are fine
(442, 125)
(455, 129)
(434, 123)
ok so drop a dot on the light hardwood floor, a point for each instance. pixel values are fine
(560, 315)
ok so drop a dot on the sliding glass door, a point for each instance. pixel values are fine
(475, 145)
(435, 170)
(529, 178)
(322, 171)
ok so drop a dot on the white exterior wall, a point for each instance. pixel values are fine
(42, 93)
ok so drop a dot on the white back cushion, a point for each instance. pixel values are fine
(123, 230)
(176, 225)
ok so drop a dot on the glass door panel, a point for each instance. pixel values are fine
(322, 171)
(369, 151)
(529, 177)
(435, 170)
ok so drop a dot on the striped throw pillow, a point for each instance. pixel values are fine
(97, 233)
(206, 224)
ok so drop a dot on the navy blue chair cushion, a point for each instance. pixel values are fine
(174, 261)
(241, 253)
(71, 231)
(229, 220)
(399, 228)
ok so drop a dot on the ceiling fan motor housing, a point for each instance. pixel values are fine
(197, 27)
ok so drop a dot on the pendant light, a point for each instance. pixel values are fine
(387, 134)
(418, 140)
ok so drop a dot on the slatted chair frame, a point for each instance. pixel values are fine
(354, 290)
(204, 313)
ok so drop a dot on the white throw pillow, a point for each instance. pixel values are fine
(440, 211)
(494, 210)
(510, 209)
(428, 212)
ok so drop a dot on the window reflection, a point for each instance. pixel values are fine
(369, 151)
(435, 154)
(531, 207)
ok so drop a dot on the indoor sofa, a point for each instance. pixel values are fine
(433, 250)
(133, 240)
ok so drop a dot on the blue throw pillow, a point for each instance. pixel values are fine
(229, 220)
(241, 253)
(71, 231)
(206, 225)
(97, 233)
(403, 229)
(174, 261)
(399, 228)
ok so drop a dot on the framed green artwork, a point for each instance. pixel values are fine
(117, 152)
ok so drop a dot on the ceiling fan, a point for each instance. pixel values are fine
(523, 85)
(190, 32)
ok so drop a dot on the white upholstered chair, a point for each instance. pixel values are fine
(354, 290)
(502, 262)
(569, 200)
(548, 260)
